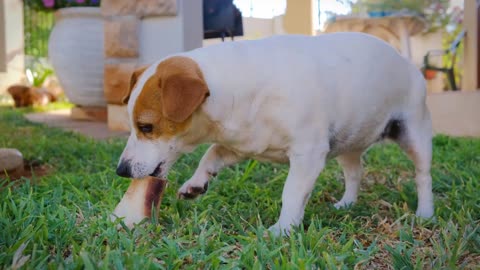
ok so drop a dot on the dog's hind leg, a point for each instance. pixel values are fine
(352, 170)
(214, 159)
(304, 170)
(416, 141)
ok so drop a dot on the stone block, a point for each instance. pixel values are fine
(121, 36)
(96, 114)
(156, 8)
(117, 81)
(118, 118)
(118, 7)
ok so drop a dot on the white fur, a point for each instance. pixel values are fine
(283, 98)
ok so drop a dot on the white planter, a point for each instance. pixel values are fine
(75, 50)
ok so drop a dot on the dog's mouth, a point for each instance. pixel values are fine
(157, 172)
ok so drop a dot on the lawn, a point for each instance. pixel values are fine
(61, 220)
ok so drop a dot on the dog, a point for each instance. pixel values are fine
(290, 99)
(25, 96)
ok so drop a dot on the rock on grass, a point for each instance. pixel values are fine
(10, 159)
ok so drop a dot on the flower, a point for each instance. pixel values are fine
(48, 3)
(56, 4)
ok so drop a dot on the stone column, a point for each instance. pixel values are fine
(12, 66)
(3, 53)
(298, 17)
(471, 46)
(139, 33)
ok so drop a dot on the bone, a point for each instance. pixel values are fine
(137, 202)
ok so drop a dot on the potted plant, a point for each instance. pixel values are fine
(58, 4)
(75, 48)
(429, 74)
(381, 8)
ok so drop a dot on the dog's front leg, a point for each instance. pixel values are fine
(304, 170)
(214, 159)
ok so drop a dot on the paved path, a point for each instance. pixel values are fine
(61, 119)
(453, 113)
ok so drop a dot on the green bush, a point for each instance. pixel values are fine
(56, 4)
(37, 27)
(38, 71)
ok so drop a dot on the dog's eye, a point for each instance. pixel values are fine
(145, 128)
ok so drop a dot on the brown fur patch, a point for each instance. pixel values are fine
(170, 97)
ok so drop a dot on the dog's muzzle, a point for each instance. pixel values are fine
(158, 170)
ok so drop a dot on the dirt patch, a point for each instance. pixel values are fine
(31, 168)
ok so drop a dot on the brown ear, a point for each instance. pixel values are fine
(181, 96)
(133, 80)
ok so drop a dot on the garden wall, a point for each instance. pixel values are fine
(141, 32)
(11, 43)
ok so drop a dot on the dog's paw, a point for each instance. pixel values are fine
(425, 212)
(280, 230)
(343, 204)
(191, 190)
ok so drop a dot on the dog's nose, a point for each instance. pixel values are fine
(124, 170)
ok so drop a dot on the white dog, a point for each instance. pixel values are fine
(290, 99)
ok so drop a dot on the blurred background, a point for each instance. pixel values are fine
(83, 51)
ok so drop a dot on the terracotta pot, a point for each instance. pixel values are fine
(75, 50)
(430, 74)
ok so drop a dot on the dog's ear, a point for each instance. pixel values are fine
(133, 80)
(181, 95)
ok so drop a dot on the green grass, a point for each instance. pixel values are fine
(61, 220)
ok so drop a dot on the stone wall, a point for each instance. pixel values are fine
(122, 49)
(139, 33)
(11, 43)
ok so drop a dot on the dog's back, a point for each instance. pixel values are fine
(350, 85)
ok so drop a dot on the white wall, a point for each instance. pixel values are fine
(420, 45)
(160, 36)
(13, 50)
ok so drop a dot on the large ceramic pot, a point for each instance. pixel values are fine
(75, 49)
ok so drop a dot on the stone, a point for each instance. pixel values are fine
(10, 160)
(118, 118)
(118, 7)
(117, 81)
(121, 36)
(53, 86)
(89, 113)
(156, 8)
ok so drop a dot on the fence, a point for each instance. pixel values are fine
(37, 27)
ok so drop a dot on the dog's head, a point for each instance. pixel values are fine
(162, 101)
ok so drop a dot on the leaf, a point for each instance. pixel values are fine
(18, 259)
